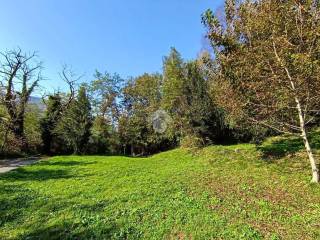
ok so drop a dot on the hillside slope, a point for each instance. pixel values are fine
(225, 192)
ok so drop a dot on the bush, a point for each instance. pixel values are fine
(192, 142)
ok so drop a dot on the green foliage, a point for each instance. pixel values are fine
(267, 57)
(100, 136)
(187, 98)
(283, 145)
(31, 128)
(262, 66)
(51, 143)
(20, 74)
(198, 111)
(3, 128)
(74, 126)
(124, 113)
(104, 92)
(9, 144)
(172, 89)
(141, 99)
(173, 80)
(192, 142)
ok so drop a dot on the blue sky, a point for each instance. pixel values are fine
(128, 37)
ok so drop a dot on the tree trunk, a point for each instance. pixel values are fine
(314, 167)
(5, 140)
(18, 131)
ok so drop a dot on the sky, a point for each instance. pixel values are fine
(129, 37)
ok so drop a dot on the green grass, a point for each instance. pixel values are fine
(222, 192)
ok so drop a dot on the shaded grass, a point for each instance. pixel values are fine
(222, 192)
(278, 147)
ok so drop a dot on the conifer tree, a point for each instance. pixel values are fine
(76, 122)
(50, 120)
(173, 97)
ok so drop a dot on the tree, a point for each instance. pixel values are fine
(186, 97)
(49, 122)
(100, 141)
(20, 74)
(198, 109)
(4, 129)
(141, 99)
(56, 105)
(267, 54)
(172, 90)
(32, 126)
(104, 92)
(74, 126)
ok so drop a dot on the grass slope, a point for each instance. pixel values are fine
(224, 192)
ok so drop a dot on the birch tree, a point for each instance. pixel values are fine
(268, 58)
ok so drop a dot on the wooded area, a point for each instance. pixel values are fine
(260, 77)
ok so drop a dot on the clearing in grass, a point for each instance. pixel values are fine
(225, 192)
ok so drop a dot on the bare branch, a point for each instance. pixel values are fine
(18, 70)
(270, 126)
(69, 77)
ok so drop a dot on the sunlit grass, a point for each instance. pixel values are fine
(226, 192)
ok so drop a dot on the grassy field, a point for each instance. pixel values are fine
(223, 192)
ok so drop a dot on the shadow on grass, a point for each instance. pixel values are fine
(283, 146)
(88, 223)
(95, 207)
(69, 230)
(22, 174)
(13, 201)
(66, 163)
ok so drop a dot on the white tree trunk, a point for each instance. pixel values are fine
(314, 167)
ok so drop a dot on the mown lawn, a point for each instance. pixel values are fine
(223, 192)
